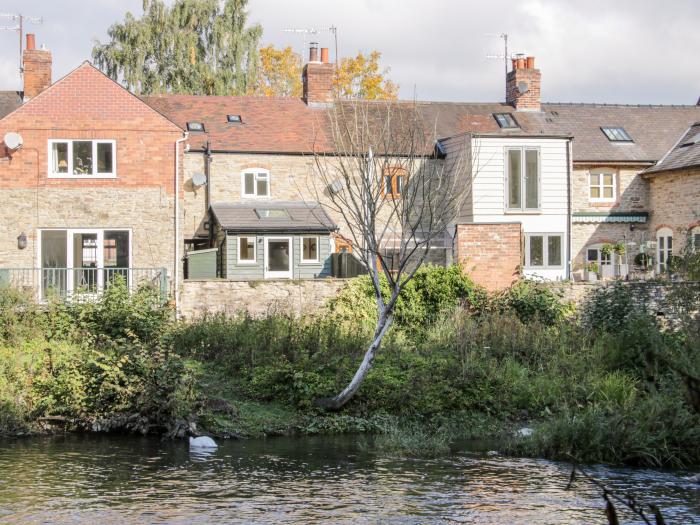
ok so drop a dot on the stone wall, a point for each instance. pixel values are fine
(256, 297)
(675, 201)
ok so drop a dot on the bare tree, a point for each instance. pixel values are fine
(397, 194)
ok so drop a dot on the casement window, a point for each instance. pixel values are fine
(601, 186)
(695, 239)
(246, 250)
(82, 159)
(309, 250)
(664, 248)
(544, 250)
(523, 179)
(255, 183)
(394, 182)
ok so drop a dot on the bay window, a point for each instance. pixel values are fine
(523, 179)
(82, 159)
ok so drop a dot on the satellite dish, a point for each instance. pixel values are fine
(336, 186)
(522, 87)
(13, 140)
(199, 179)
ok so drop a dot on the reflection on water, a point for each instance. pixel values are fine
(88, 479)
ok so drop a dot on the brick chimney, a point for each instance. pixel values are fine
(523, 85)
(317, 78)
(36, 64)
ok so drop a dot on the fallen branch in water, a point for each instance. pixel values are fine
(608, 495)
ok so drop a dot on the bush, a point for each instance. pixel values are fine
(609, 308)
(532, 301)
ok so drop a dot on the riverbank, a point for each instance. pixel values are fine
(601, 384)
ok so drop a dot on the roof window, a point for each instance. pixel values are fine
(271, 214)
(692, 140)
(506, 120)
(617, 134)
(234, 119)
(195, 126)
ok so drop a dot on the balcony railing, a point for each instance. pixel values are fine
(80, 283)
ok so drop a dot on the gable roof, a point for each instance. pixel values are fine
(684, 154)
(9, 101)
(307, 217)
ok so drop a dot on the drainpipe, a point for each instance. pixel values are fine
(207, 189)
(176, 267)
(569, 216)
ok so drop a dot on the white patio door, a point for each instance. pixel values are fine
(278, 257)
(85, 256)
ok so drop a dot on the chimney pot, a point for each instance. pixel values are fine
(31, 41)
(531, 62)
(523, 85)
(520, 62)
(36, 69)
(324, 55)
(515, 63)
(313, 52)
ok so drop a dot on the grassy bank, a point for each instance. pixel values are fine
(598, 385)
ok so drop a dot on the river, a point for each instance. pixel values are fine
(113, 479)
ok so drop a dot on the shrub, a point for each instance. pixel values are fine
(609, 308)
(532, 301)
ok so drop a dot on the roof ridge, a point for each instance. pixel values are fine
(613, 104)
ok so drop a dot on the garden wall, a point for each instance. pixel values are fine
(258, 298)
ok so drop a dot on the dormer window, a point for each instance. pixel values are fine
(506, 120)
(197, 127)
(616, 134)
(234, 119)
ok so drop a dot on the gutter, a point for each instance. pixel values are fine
(176, 267)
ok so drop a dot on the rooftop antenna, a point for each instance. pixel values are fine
(505, 55)
(20, 20)
(315, 31)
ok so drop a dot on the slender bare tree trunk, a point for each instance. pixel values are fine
(336, 403)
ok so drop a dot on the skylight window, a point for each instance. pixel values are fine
(271, 214)
(234, 119)
(195, 126)
(506, 120)
(693, 140)
(617, 134)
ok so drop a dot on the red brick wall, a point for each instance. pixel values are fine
(531, 98)
(318, 83)
(37, 71)
(490, 253)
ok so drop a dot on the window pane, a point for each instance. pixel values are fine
(696, 242)
(104, 158)
(608, 192)
(246, 248)
(514, 162)
(116, 249)
(82, 157)
(262, 186)
(399, 184)
(554, 250)
(608, 179)
(592, 255)
(595, 192)
(388, 189)
(249, 184)
(595, 179)
(310, 248)
(536, 250)
(59, 157)
(531, 179)
(669, 244)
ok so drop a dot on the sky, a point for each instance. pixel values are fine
(621, 51)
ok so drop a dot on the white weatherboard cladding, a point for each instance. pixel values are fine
(488, 199)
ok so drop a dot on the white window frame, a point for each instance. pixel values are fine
(258, 174)
(523, 171)
(694, 233)
(665, 234)
(244, 262)
(601, 186)
(70, 174)
(318, 250)
(545, 250)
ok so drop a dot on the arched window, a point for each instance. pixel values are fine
(255, 182)
(664, 248)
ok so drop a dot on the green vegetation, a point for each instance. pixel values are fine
(602, 384)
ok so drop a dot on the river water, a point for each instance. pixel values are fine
(107, 479)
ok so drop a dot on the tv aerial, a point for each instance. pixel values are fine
(19, 27)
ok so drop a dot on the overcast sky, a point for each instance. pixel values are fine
(621, 51)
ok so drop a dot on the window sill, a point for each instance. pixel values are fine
(246, 263)
(257, 197)
(68, 176)
(523, 212)
(309, 263)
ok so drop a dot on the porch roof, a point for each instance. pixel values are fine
(285, 216)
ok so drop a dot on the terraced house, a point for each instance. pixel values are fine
(100, 183)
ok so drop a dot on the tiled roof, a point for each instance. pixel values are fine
(288, 125)
(9, 101)
(685, 154)
(248, 217)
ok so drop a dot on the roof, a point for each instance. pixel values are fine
(307, 217)
(9, 101)
(288, 125)
(684, 154)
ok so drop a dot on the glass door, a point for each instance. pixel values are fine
(87, 257)
(54, 264)
(278, 258)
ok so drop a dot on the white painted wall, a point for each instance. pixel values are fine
(488, 198)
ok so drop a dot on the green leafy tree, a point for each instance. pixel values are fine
(201, 47)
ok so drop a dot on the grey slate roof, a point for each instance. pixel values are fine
(302, 217)
(685, 154)
(9, 101)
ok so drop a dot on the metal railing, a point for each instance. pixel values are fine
(80, 283)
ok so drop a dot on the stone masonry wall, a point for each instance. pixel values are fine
(258, 298)
(675, 201)
(490, 253)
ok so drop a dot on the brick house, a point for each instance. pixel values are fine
(87, 172)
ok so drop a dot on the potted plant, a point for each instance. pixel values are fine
(592, 272)
(607, 270)
(620, 249)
